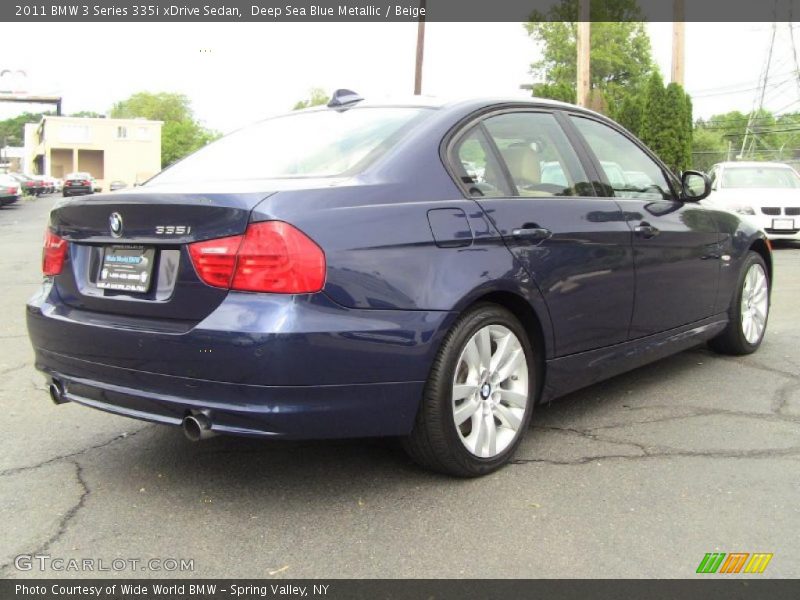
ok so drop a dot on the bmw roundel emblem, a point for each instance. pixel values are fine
(115, 224)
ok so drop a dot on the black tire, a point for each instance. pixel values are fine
(732, 340)
(434, 442)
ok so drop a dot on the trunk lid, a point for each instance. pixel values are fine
(156, 227)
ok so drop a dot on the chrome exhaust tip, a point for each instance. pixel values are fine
(197, 427)
(57, 393)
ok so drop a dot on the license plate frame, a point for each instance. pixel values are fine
(126, 268)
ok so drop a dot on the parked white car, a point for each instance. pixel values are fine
(767, 192)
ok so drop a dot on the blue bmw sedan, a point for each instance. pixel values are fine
(425, 270)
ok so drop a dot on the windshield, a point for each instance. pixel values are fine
(306, 144)
(759, 177)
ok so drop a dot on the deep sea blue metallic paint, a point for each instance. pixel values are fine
(407, 251)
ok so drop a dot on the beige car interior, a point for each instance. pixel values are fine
(524, 164)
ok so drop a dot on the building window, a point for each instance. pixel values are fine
(142, 133)
(122, 132)
(74, 134)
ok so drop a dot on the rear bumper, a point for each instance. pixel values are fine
(290, 412)
(294, 367)
(77, 191)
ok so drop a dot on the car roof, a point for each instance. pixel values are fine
(457, 102)
(753, 163)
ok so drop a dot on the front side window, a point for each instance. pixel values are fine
(322, 143)
(538, 155)
(630, 172)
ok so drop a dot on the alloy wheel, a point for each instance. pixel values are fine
(755, 303)
(490, 391)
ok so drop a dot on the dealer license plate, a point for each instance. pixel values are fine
(126, 268)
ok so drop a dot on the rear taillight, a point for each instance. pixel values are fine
(54, 254)
(272, 256)
(215, 260)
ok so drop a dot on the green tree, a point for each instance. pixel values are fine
(181, 133)
(12, 131)
(88, 113)
(708, 148)
(628, 112)
(656, 115)
(676, 142)
(621, 56)
(688, 128)
(316, 97)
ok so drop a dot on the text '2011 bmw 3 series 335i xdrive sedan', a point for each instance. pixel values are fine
(425, 270)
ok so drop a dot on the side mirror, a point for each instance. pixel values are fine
(696, 185)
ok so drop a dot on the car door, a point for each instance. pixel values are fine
(676, 244)
(521, 167)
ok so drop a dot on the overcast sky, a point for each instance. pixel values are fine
(236, 73)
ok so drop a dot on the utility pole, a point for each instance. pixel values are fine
(678, 41)
(750, 133)
(420, 49)
(584, 52)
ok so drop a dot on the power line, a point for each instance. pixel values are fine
(727, 92)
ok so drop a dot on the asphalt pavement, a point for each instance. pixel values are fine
(639, 476)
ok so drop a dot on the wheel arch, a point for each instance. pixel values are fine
(763, 248)
(531, 322)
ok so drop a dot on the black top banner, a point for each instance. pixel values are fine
(409, 10)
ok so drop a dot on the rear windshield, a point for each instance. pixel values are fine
(322, 143)
(759, 177)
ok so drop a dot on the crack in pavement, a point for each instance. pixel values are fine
(63, 524)
(649, 452)
(15, 368)
(72, 455)
(752, 454)
(699, 411)
(750, 363)
(781, 398)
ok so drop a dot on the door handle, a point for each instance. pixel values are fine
(532, 234)
(645, 230)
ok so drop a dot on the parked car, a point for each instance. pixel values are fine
(338, 272)
(45, 183)
(76, 184)
(10, 190)
(30, 187)
(117, 185)
(96, 186)
(766, 192)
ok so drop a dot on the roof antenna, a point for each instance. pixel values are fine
(343, 98)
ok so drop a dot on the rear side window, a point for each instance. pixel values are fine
(538, 155)
(478, 167)
(322, 143)
(628, 169)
